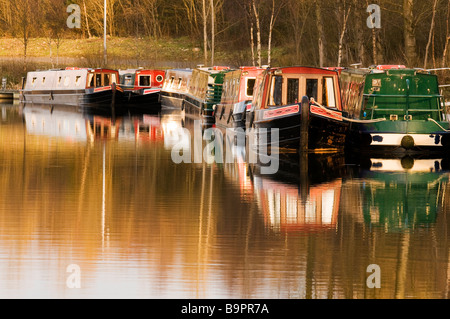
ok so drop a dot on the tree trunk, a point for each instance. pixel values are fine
(87, 20)
(205, 34)
(258, 33)
(361, 50)
(321, 37)
(430, 35)
(252, 43)
(410, 38)
(213, 31)
(269, 43)
(444, 55)
(341, 39)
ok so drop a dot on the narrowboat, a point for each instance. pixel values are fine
(304, 104)
(237, 96)
(73, 86)
(400, 112)
(142, 87)
(175, 86)
(205, 91)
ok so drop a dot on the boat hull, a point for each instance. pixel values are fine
(230, 116)
(403, 137)
(172, 100)
(142, 98)
(197, 109)
(324, 133)
(87, 97)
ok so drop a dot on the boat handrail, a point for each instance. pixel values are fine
(402, 109)
(409, 96)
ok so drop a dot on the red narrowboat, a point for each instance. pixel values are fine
(142, 87)
(304, 103)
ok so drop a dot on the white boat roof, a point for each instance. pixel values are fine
(57, 80)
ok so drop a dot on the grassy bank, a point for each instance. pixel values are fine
(122, 53)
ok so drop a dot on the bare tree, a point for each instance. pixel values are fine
(430, 36)
(447, 37)
(273, 18)
(344, 29)
(321, 34)
(24, 13)
(213, 31)
(258, 33)
(410, 38)
(298, 17)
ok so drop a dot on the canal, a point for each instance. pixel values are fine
(104, 195)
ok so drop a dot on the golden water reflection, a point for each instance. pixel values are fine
(104, 194)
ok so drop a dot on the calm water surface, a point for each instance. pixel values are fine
(104, 194)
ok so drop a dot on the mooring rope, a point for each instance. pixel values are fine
(439, 125)
(349, 119)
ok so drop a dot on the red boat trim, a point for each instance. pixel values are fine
(281, 111)
(150, 91)
(105, 88)
(329, 113)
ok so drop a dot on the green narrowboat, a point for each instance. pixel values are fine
(205, 91)
(400, 111)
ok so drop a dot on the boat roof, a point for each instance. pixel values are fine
(146, 71)
(303, 70)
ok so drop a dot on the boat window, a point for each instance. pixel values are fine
(34, 81)
(276, 90)
(91, 80)
(43, 80)
(98, 80)
(180, 80)
(328, 98)
(144, 80)
(113, 78)
(128, 80)
(106, 78)
(77, 80)
(172, 79)
(311, 88)
(250, 87)
(59, 80)
(292, 91)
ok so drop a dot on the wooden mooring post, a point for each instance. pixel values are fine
(304, 148)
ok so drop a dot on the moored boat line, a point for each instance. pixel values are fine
(385, 109)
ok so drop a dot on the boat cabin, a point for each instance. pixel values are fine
(70, 79)
(72, 86)
(401, 94)
(177, 80)
(238, 86)
(141, 78)
(287, 86)
(204, 91)
(237, 95)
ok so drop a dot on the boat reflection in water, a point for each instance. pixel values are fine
(402, 194)
(69, 123)
(298, 199)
